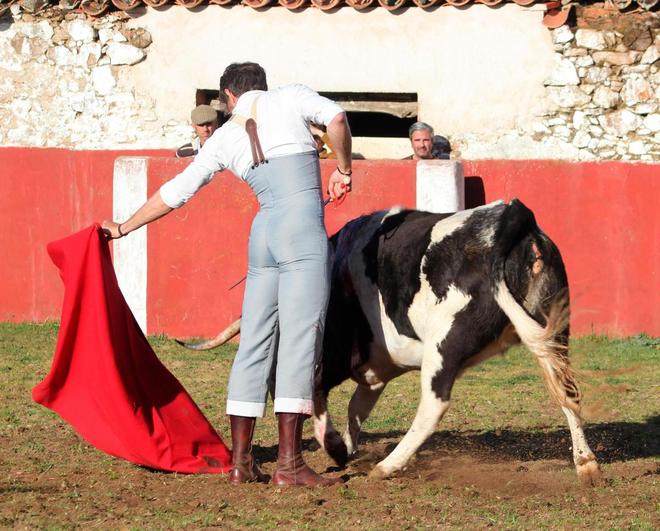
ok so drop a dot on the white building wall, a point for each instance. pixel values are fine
(474, 70)
(493, 80)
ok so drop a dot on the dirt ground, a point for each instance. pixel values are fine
(501, 459)
(506, 480)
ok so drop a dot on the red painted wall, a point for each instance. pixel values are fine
(46, 194)
(603, 216)
(605, 219)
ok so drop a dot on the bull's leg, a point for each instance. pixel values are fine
(324, 431)
(442, 348)
(359, 408)
(585, 461)
(550, 346)
(430, 411)
(563, 386)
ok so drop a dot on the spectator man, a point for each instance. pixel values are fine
(425, 144)
(204, 120)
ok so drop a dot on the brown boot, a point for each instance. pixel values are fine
(291, 469)
(244, 468)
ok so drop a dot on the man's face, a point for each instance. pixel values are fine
(204, 131)
(422, 144)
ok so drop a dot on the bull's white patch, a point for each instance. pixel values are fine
(487, 235)
(373, 379)
(581, 452)
(403, 350)
(440, 316)
(320, 427)
(447, 226)
(531, 332)
(391, 212)
(429, 413)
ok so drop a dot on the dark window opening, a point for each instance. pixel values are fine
(379, 124)
(392, 97)
(370, 114)
(378, 114)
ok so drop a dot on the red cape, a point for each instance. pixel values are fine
(107, 382)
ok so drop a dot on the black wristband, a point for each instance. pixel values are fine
(348, 174)
(121, 234)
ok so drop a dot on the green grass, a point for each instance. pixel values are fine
(500, 458)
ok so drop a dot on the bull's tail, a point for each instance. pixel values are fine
(228, 333)
(548, 343)
(528, 264)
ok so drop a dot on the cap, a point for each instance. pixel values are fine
(203, 114)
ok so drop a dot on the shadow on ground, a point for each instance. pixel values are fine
(611, 441)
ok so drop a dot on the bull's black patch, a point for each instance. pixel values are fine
(347, 333)
(463, 257)
(478, 324)
(392, 260)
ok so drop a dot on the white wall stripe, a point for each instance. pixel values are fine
(129, 192)
(440, 186)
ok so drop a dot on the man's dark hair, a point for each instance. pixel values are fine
(242, 77)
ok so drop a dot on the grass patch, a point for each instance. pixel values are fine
(500, 458)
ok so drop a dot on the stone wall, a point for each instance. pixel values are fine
(602, 101)
(604, 94)
(68, 81)
(63, 83)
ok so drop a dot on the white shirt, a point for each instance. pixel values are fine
(283, 116)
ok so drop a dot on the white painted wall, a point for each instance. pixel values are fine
(475, 70)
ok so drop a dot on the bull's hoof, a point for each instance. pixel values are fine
(336, 448)
(379, 472)
(589, 474)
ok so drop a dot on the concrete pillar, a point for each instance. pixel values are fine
(440, 186)
(130, 253)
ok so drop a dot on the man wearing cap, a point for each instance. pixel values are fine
(204, 120)
(267, 143)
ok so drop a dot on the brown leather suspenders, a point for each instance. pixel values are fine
(250, 125)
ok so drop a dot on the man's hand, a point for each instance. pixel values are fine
(338, 185)
(111, 230)
(153, 209)
(340, 138)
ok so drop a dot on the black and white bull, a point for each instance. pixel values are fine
(440, 293)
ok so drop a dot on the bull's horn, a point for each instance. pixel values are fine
(224, 336)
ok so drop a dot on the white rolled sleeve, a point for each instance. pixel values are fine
(314, 107)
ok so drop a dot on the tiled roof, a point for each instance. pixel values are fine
(557, 11)
(99, 7)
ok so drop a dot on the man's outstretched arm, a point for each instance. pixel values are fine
(153, 209)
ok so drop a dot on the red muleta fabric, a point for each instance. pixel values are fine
(107, 382)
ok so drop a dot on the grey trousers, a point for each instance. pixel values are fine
(287, 288)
